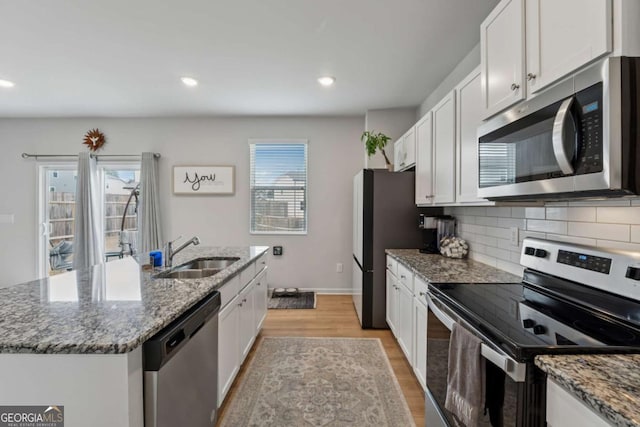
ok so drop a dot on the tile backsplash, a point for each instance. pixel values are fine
(608, 224)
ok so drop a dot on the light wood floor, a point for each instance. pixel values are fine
(335, 316)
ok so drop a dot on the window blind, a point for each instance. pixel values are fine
(497, 164)
(278, 183)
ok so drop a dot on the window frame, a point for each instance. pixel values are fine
(298, 141)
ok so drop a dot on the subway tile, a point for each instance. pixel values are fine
(615, 215)
(534, 213)
(571, 239)
(485, 259)
(515, 257)
(557, 227)
(584, 214)
(502, 233)
(518, 212)
(512, 222)
(475, 210)
(635, 233)
(556, 204)
(499, 253)
(635, 202)
(506, 244)
(469, 237)
(466, 219)
(608, 202)
(487, 220)
(600, 231)
(534, 234)
(478, 247)
(501, 211)
(477, 229)
(490, 241)
(510, 267)
(625, 246)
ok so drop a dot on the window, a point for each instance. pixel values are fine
(57, 202)
(278, 186)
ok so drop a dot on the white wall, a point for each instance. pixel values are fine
(335, 155)
(607, 224)
(393, 122)
(464, 67)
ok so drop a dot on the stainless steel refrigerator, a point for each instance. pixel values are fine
(384, 217)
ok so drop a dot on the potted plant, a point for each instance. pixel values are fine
(376, 141)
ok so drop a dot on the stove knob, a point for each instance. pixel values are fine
(529, 250)
(528, 323)
(541, 253)
(633, 273)
(539, 330)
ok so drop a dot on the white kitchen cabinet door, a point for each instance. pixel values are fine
(405, 321)
(468, 118)
(502, 56)
(409, 141)
(247, 331)
(565, 410)
(228, 347)
(392, 302)
(260, 300)
(420, 341)
(424, 160)
(444, 150)
(398, 155)
(562, 36)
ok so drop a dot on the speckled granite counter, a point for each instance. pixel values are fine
(610, 384)
(438, 269)
(110, 308)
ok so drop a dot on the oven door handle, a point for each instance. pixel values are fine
(559, 125)
(516, 370)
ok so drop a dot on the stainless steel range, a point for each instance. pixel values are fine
(573, 299)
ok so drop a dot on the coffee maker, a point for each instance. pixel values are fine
(434, 228)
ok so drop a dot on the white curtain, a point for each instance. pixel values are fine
(88, 236)
(149, 234)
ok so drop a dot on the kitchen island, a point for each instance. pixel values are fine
(75, 339)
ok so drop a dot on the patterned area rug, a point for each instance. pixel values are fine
(301, 300)
(324, 382)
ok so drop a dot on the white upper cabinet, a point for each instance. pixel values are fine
(424, 161)
(404, 151)
(444, 150)
(562, 36)
(502, 56)
(469, 115)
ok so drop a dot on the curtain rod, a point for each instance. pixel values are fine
(27, 156)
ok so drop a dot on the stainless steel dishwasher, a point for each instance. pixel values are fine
(181, 369)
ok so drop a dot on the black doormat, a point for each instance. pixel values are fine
(298, 300)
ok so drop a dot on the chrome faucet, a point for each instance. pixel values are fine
(169, 252)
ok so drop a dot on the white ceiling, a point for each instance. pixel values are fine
(122, 58)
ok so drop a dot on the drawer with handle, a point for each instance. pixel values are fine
(405, 276)
(392, 265)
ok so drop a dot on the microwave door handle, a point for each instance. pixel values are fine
(442, 317)
(560, 123)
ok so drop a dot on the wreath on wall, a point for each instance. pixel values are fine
(94, 139)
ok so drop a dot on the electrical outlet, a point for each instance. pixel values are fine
(339, 267)
(514, 236)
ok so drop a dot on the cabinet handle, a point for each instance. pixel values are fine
(402, 277)
(531, 76)
(428, 196)
(515, 87)
(240, 305)
(258, 284)
(244, 300)
(422, 294)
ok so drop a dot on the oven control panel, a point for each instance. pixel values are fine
(588, 262)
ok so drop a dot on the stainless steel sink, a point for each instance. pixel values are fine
(218, 263)
(188, 273)
(198, 268)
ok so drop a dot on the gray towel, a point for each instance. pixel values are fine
(465, 377)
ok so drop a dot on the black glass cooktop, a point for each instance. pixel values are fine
(525, 319)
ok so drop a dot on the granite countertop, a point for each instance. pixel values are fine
(436, 268)
(109, 308)
(608, 383)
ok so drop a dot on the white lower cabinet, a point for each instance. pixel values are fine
(240, 321)
(565, 410)
(407, 317)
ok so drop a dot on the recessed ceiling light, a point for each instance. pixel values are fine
(191, 82)
(327, 80)
(6, 83)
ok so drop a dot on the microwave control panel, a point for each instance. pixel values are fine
(588, 112)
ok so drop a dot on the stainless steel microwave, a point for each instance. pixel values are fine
(577, 139)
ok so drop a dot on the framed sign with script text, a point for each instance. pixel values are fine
(203, 180)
